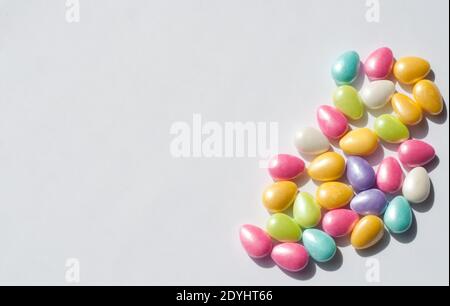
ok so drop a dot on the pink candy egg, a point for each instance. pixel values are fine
(339, 222)
(415, 153)
(379, 63)
(332, 122)
(390, 175)
(256, 242)
(285, 167)
(290, 256)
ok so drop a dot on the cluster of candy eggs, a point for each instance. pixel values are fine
(359, 209)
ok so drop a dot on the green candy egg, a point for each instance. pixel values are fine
(306, 211)
(391, 129)
(320, 246)
(283, 228)
(347, 101)
(398, 215)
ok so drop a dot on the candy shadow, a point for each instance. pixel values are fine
(343, 241)
(376, 157)
(431, 76)
(377, 248)
(334, 264)
(360, 123)
(265, 262)
(393, 147)
(441, 118)
(387, 109)
(427, 204)
(409, 235)
(420, 130)
(306, 274)
(432, 164)
(302, 179)
(358, 83)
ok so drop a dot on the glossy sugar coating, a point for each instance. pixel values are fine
(279, 196)
(332, 122)
(283, 228)
(328, 166)
(320, 246)
(417, 185)
(256, 242)
(406, 109)
(415, 153)
(332, 195)
(398, 216)
(346, 68)
(429, 97)
(411, 69)
(360, 173)
(369, 202)
(339, 222)
(285, 167)
(367, 232)
(291, 257)
(361, 142)
(347, 100)
(306, 211)
(390, 175)
(390, 129)
(379, 63)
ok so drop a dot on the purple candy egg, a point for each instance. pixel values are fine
(369, 202)
(359, 173)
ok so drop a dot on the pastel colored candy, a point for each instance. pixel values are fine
(367, 232)
(328, 166)
(332, 122)
(360, 173)
(362, 142)
(283, 228)
(290, 256)
(306, 211)
(417, 185)
(409, 70)
(285, 167)
(379, 63)
(332, 195)
(339, 222)
(398, 216)
(415, 153)
(428, 96)
(320, 246)
(390, 175)
(346, 67)
(311, 141)
(369, 202)
(390, 129)
(279, 196)
(256, 242)
(377, 93)
(347, 101)
(407, 110)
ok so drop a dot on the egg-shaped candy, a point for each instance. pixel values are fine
(320, 246)
(256, 242)
(379, 63)
(369, 202)
(398, 216)
(390, 129)
(306, 211)
(389, 175)
(279, 196)
(415, 153)
(290, 256)
(332, 195)
(428, 96)
(285, 167)
(367, 232)
(283, 228)
(417, 185)
(360, 173)
(406, 109)
(332, 122)
(339, 222)
(410, 69)
(362, 142)
(377, 93)
(328, 166)
(311, 141)
(347, 101)
(346, 67)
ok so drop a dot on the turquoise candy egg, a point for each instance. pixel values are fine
(398, 215)
(346, 68)
(320, 246)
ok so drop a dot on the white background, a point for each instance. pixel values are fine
(85, 113)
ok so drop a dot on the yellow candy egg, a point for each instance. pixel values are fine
(428, 96)
(367, 232)
(279, 196)
(409, 70)
(407, 110)
(328, 166)
(361, 142)
(332, 195)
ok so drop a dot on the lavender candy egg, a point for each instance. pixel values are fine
(369, 202)
(360, 173)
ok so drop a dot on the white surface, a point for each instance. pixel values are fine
(85, 112)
